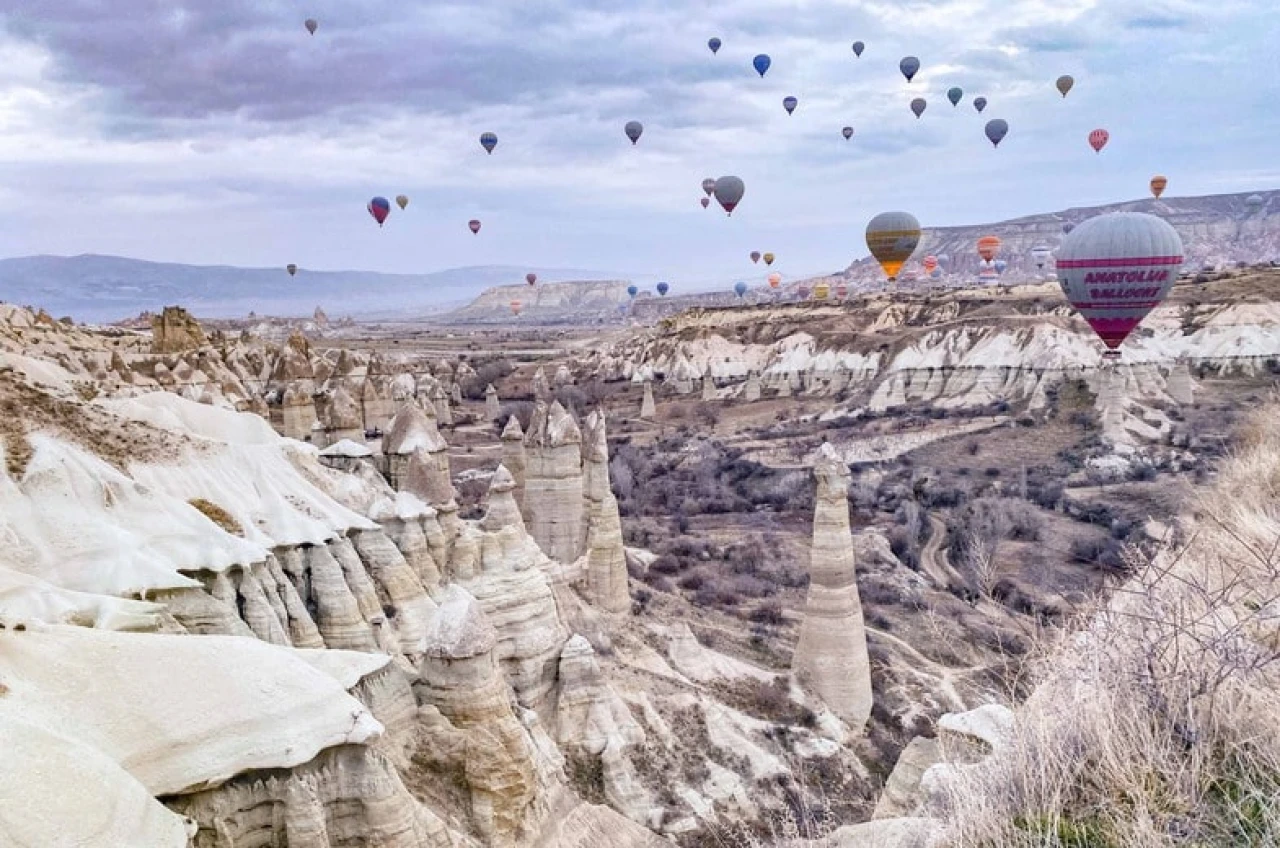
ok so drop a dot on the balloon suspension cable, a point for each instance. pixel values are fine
(1111, 355)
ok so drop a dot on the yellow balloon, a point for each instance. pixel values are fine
(892, 237)
(768, 258)
(402, 200)
(821, 290)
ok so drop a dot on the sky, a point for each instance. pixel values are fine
(222, 133)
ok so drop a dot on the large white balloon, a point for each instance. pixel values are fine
(1116, 268)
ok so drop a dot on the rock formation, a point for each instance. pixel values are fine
(176, 331)
(412, 429)
(513, 457)
(563, 377)
(342, 418)
(444, 415)
(297, 412)
(1179, 384)
(708, 388)
(751, 392)
(606, 557)
(541, 393)
(831, 659)
(492, 407)
(553, 482)
(647, 408)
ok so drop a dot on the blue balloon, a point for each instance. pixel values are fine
(740, 289)
(714, 44)
(761, 63)
(633, 291)
(1001, 265)
(789, 103)
(488, 141)
(663, 288)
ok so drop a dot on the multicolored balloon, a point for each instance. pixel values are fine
(909, 66)
(955, 94)
(1158, 184)
(892, 237)
(789, 103)
(768, 258)
(714, 44)
(847, 132)
(979, 103)
(488, 141)
(988, 247)
(996, 130)
(663, 288)
(402, 200)
(291, 268)
(379, 208)
(917, 106)
(474, 224)
(1064, 83)
(728, 192)
(1116, 268)
(634, 129)
(1098, 139)
(740, 289)
(761, 63)
(311, 25)
(858, 47)
(531, 278)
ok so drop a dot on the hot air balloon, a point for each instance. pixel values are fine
(979, 103)
(515, 307)
(379, 208)
(909, 66)
(821, 291)
(1040, 254)
(954, 95)
(847, 132)
(488, 141)
(1000, 265)
(768, 258)
(935, 274)
(709, 185)
(739, 289)
(633, 290)
(1098, 139)
(1158, 184)
(761, 63)
(531, 278)
(714, 44)
(997, 129)
(858, 47)
(663, 288)
(775, 280)
(987, 275)
(1064, 83)
(892, 237)
(402, 200)
(1067, 227)
(1116, 268)
(842, 291)
(634, 129)
(917, 106)
(755, 256)
(929, 263)
(1254, 202)
(789, 103)
(705, 201)
(988, 247)
(803, 293)
(729, 191)
(291, 268)
(311, 25)
(474, 224)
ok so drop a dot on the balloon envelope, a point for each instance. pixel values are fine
(761, 63)
(847, 132)
(706, 201)
(714, 44)
(954, 95)
(515, 307)
(1068, 227)
(709, 185)
(842, 291)
(789, 103)
(291, 268)
(402, 200)
(663, 288)
(996, 130)
(1116, 268)
(488, 141)
(379, 208)
(755, 256)
(1254, 201)
(1098, 139)
(979, 103)
(474, 224)
(531, 278)
(988, 247)
(740, 289)
(728, 192)
(892, 237)
(821, 290)
(633, 290)
(1158, 184)
(858, 47)
(311, 25)
(634, 129)
(918, 105)
(909, 66)
(929, 263)
(1064, 83)
(775, 280)
(1041, 255)
(768, 258)
(1000, 265)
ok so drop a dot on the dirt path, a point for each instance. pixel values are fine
(933, 559)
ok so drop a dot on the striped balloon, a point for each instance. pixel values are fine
(892, 237)
(1098, 139)
(1116, 268)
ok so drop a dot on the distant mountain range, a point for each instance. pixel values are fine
(109, 288)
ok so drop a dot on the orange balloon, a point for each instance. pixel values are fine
(1157, 185)
(930, 262)
(988, 247)
(775, 280)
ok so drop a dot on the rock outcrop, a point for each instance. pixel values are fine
(751, 392)
(606, 584)
(175, 331)
(648, 410)
(492, 406)
(553, 498)
(1179, 384)
(831, 658)
(444, 415)
(412, 429)
(514, 458)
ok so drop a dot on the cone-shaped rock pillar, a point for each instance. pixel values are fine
(606, 558)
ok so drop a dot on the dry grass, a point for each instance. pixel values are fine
(1158, 722)
(218, 516)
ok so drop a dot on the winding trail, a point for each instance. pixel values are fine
(933, 559)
